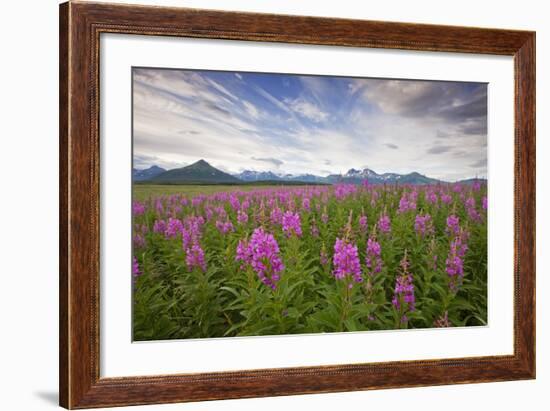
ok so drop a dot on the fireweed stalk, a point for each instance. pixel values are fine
(454, 264)
(373, 259)
(384, 223)
(346, 262)
(292, 224)
(423, 224)
(261, 253)
(194, 258)
(135, 268)
(363, 223)
(403, 297)
(347, 268)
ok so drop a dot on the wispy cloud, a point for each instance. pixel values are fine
(307, 109)
(439, 149)
(274, 161)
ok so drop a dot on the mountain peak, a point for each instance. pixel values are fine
(198, 172)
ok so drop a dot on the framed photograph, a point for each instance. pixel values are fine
(259, 205)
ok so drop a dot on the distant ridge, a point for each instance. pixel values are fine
(146, 174)
(202, 172)
(199, 172)
(353, 176)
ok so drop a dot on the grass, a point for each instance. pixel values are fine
(142, 192)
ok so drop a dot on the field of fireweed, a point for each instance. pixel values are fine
(309, 259)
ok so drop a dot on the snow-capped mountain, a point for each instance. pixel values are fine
(353, 176)
(250, 175)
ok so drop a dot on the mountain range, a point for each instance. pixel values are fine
(202, 172)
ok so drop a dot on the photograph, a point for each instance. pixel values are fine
(271, 204)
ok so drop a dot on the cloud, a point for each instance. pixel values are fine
(238, 76)
(327, 162)
(307, 109)
(479, 164)
(142, 162)
(475, 127)
(439, 149)
(251, 109)
(392, 146)
(222, 89)
(279, 104)
(189, 132)
(276, 162)
(438, 99)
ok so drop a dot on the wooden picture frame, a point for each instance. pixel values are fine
(80, 27)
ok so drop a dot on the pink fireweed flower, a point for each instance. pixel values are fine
(135, 268)
(473, 214)
(341, 191)
(234, 202)
(197, 201)
(173, 229)
(453, 224)
(188, 239)
(384, 224)
(373, 259)
(324, 218)
(159, 226)
(346, 261)
(423, 224)
(176, 210)
(262, 254)
(446, 199)
(292, 224)
(454, 264)
(139, 241)
(407, 202)
(431, 197)
(138, 208)
(484, 203)
(191, 233)
(221, 212)
(306, 205)
(224, 227)
(276, 216)
(159, 208)
(242, 217)
(403, 297)
(470, 205)
(195, 258)
(244, 253)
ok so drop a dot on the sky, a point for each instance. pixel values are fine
(301, 124)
